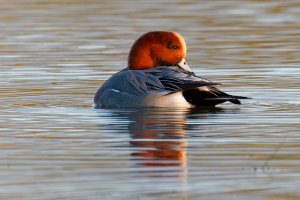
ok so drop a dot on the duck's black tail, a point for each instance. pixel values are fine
(209, 96)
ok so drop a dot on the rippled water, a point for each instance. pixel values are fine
(54, 145)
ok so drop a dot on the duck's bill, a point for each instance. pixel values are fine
(182, 64)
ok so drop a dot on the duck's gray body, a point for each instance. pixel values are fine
(160, 87)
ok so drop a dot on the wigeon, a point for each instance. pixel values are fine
(158, 76)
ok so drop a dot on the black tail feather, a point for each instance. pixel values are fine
(210, 96)
(235, 101)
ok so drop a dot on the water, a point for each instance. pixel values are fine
(54, 145)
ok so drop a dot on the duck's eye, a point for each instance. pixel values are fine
(172, 46)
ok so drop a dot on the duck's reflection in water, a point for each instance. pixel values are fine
(158, 147)
(158, 140)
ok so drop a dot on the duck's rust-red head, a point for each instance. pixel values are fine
(158, 49)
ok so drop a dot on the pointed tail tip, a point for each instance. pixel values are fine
(236, 100)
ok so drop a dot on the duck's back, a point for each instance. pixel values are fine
(127, 88)
(160, 87)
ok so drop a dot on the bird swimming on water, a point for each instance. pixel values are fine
(157, 75)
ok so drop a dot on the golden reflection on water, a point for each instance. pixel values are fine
(161, 135)
(160, 140)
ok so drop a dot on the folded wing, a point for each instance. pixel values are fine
(196, 90)
(164, 80)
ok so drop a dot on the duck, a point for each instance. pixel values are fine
(157, 75)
